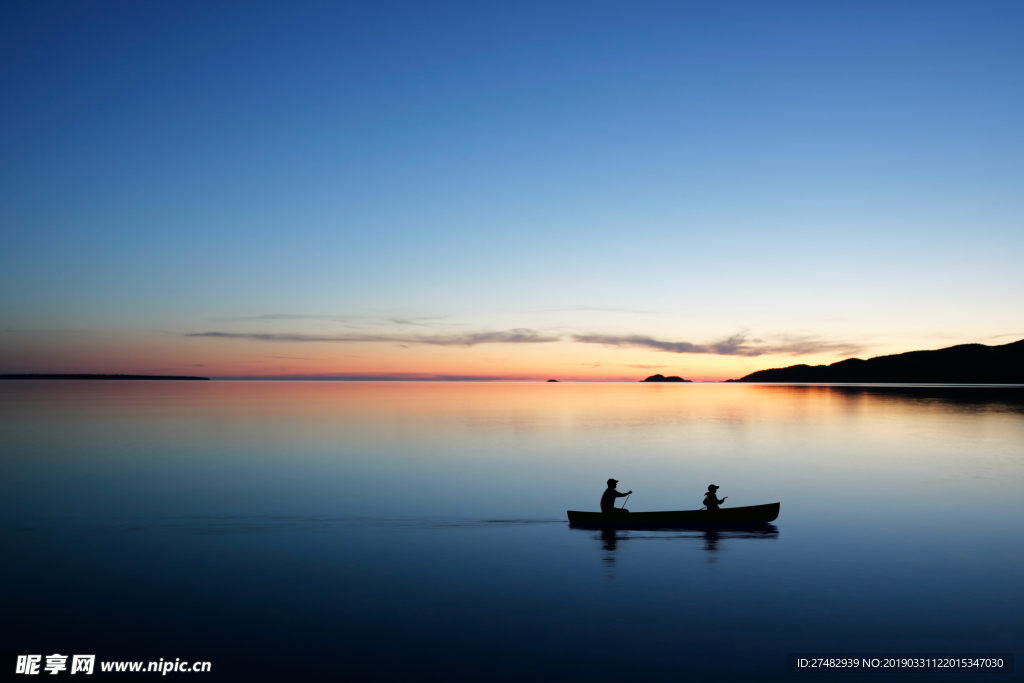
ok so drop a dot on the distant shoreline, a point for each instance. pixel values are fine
(963, 364)
(118, 377)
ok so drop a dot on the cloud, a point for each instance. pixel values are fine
(381, 377)
(515, 336)
(419, 322)
(340, 355)
(793, 345)
(282, 316)
(600, 309)
(739, 344)
(55, 333)
(735, 345)
(422, 321)
(1008, 334)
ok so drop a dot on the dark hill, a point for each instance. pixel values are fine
(964, 364)
(663, 378)
(80, 376)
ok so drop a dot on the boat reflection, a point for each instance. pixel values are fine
(712, 535)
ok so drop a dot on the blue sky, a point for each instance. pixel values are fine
(842, 174)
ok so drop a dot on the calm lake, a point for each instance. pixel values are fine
(417, 531)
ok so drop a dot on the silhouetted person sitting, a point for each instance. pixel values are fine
(711, 500)
(608, 499)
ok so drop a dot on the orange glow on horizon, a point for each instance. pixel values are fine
(135, 353)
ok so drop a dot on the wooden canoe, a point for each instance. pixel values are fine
(743, 515)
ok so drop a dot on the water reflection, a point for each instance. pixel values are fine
(971, 399)
(712, 536)
(610, 542)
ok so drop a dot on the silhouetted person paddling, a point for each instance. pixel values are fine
(711, 500)
(608, 499)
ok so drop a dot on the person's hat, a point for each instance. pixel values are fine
(613, 482)
(712, 488)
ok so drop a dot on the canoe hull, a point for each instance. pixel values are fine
(743, 515)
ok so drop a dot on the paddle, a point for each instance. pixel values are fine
(627, 498)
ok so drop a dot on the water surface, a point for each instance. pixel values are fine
(288, 531)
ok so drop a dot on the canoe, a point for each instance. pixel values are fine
(743, 515)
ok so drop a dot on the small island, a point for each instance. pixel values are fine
(663, 378)
(552, 380)
(85, 376)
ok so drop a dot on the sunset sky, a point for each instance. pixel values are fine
(590, 191)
